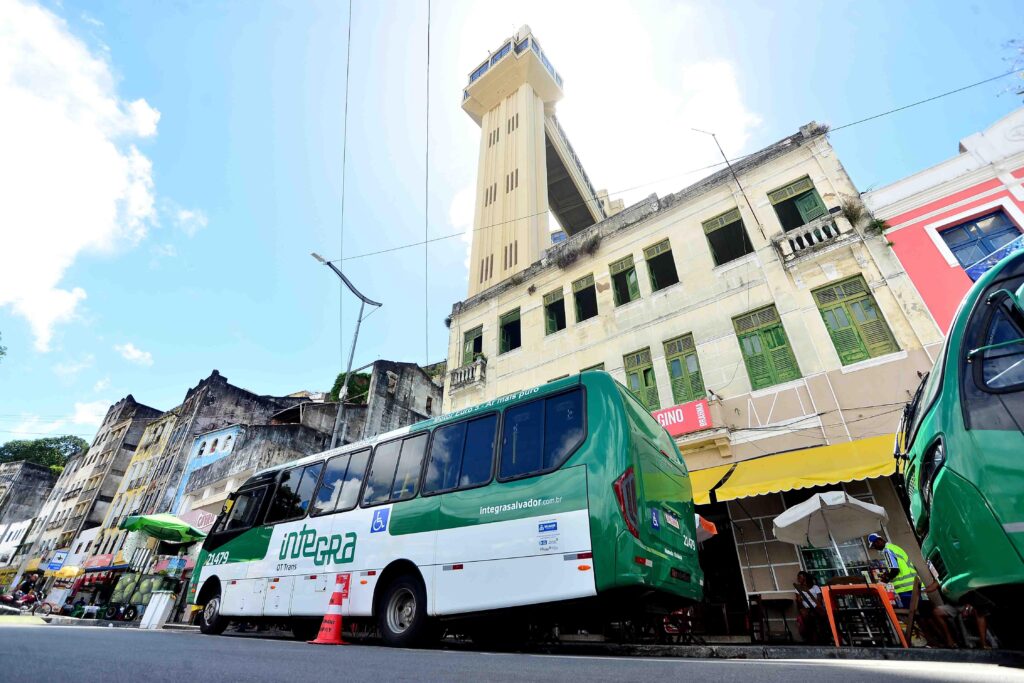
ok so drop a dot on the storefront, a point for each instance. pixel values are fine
(743, 498)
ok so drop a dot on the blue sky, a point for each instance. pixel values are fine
(176, 162)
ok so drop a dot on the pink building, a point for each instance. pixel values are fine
(946, 218)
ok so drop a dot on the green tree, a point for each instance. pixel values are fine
(51, 451)
(358, 387)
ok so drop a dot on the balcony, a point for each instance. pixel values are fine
(73, 523)
(88, 494)
(55, 524)
(73, 493)
(820, 234)
(471, 375)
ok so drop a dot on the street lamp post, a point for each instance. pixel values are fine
(337, 439)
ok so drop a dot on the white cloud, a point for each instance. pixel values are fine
(90, 412)
(133, 354)
(71, 368)
(190, 221)
(101, 385)
(72, 181)
(34, 427)
(89, 19)
(165, 250)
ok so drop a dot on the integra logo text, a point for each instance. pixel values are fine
(334, 549)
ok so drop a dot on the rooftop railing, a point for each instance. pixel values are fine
(504, 51)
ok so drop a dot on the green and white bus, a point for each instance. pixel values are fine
(568, 495)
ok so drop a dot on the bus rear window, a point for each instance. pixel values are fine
(539, 436)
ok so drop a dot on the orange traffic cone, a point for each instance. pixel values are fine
(330, 627)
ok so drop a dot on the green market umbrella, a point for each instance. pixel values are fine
(163, 526)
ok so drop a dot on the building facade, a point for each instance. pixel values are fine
(946, 219)
(24, 487)
(94, 478)
(755, 315)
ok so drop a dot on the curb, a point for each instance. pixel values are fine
(1011, 658)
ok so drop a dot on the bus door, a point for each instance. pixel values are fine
(234, 543)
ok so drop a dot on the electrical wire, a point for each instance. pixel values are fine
(684, 173)
(344, 163)
(426, 210)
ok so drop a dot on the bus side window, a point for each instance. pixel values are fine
(410, 464)
(461, 455)
(329, 491)
(382, 473)
(539, 436)
(445, 458)
(1002, 368)
(293, 493)
(244, 510)
(478, 456)
(522, 439)
(563, 427)
(353, 481)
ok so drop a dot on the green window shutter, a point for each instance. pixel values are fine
(509, 317)
(765, 346)
(755, 357)
(844, 335)
(582, 283)
(552, 297)
(640, 378)
(873, 328)
(504, 342)
(791, 190)
(657, 250)
(857, 328)
(719, 222)
(810, 206)
(621, 265)
(468, 339)
(781, 354)
(633, 284)
(684, 369)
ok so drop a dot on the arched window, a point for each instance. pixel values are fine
(213, 447)
(202, 448)
(227, 443)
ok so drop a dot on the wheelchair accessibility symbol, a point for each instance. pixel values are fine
(380, 520)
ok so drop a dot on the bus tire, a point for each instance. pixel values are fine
(211, 621)
(402, 613)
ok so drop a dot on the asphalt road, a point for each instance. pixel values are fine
(86, 653)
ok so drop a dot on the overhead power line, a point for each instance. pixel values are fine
(430, 240)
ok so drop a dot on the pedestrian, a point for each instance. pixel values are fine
(810, 609)
(901, 574)
(28, 583)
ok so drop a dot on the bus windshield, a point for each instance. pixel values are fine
(923, 399)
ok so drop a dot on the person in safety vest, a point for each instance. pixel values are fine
(901, 575)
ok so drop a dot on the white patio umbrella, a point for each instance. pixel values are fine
(828, 518)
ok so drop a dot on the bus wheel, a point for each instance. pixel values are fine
(402, 613)
(211, 621)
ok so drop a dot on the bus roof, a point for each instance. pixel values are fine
(551, 387)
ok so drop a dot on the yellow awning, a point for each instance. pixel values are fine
(850, 461)
(33, 564)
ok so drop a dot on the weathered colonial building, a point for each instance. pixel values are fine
(24, 487)
(95, 478)
(753, 313)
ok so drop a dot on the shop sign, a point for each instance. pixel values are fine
(685, 417)
(99, 561)
(200, 519)
(57, 561)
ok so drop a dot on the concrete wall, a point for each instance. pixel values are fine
(257, 447)
(398, 396)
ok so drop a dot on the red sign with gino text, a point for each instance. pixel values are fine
(685, 417)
